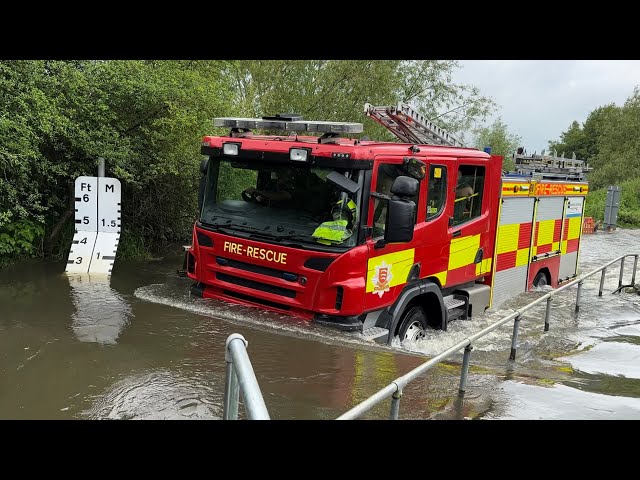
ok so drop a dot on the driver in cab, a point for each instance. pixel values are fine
(294, 189)
(286, 185)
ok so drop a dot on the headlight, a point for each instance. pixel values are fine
(298, 154)
(230, 148)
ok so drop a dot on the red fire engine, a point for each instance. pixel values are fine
(388, 239)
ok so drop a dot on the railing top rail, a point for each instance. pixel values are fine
(399, 383)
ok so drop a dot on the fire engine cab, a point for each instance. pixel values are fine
(387, 239)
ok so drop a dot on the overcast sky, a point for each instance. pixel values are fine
(538, 99)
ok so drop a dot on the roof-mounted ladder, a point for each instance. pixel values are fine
(409, 126)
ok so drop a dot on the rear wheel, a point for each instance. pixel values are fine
(540, 280)
(413, 325)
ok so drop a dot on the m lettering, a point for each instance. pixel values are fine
(109, 187)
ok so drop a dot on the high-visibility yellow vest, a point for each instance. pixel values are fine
(337, 230)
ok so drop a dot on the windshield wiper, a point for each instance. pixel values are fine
(263, 234)
(230, 230)
(240, 228)
(257, 232)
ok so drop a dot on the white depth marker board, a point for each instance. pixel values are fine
(97, 222)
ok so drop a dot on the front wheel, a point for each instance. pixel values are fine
(413, 325)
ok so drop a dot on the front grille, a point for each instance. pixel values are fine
(250, 267)
(249, 298)
(263, 287)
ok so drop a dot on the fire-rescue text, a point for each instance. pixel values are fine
(255, 252)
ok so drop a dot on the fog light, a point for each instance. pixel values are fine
(230, 148)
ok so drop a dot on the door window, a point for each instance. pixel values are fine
(387, 173)
(437, 193)
(469, 189)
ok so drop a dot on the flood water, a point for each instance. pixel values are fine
(139, 347)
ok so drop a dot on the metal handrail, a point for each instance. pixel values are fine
(394, 389)
(239, 373)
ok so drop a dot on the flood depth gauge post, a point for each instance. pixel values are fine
(97, 224)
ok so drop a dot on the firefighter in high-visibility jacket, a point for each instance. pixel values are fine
(344, 216)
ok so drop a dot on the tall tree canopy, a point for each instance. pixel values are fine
(610, 141)
(337, 90)
(147, 118)
(583, 140)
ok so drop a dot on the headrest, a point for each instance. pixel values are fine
(405, 186)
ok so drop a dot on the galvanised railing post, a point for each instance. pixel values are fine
(254, 405)
(514, 339)
(578, 296)
(465, 369)
(547, 315)
(231, 387)
(621, 272)
(395, 404)
(604, 272)
(635, 266)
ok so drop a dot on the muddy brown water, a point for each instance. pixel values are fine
(139, 347)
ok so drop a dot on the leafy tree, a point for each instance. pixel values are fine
(594, 128)
(573, 140)
(610, 141)
(428, 85)
(500, 140)
(584, 140)
(618, 156)
(338, 89)
(146, 118)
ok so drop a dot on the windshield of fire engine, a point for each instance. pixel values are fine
(286, 203)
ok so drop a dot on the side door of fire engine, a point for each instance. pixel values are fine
(389, 265)
(433, 237)
(468, 223)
